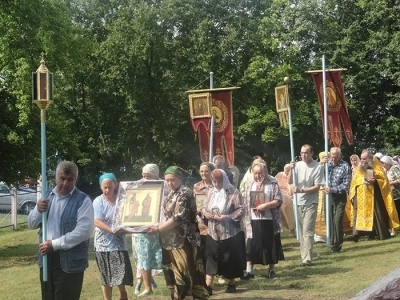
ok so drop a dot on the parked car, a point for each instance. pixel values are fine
(26, 199)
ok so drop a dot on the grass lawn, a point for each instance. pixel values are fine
(333, 275)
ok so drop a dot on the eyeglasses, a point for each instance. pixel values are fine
(302, 153)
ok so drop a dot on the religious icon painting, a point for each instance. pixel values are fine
(215, 211)
(138, 204)
(200, 105)
(199, 200)
(281, 98)
(256, 198)
(369, 174)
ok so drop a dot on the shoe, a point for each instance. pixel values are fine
(247, 276)
(319, 239)
(333, 250)
(209, 290)
(145, 293)
(306, 264)
(137, 288)
(271, 273)
(392, 233)
(154, 285)
(356, 238)
(221, 280)
(231, 288)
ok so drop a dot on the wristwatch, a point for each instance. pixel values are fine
(302, 190)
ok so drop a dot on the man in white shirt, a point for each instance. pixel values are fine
(69, 226)
(310, 176)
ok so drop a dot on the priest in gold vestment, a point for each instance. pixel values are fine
(373, 206)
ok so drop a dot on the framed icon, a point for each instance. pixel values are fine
(215, 211)
(199, 200)
(369, 174)
(256, 198)
(281, 98)
(200, 105)
(138, 204)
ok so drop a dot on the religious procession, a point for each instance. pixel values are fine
(228, 222)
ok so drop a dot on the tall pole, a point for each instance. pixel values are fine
(42, 93)
(44, 183)
(327, 196)
(296, 215)
(212, 123)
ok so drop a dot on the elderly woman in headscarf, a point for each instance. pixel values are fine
(146, 248)
(263, 222)
(111, 248)
(393, 174)
(225, 244)
(180, 239)
(354, 160)
(201, 188)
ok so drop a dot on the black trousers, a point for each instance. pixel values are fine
(337, 212)
(60, 285)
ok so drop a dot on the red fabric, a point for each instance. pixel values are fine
(337, 107)
(223, 128)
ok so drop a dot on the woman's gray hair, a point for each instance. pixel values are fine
(261, 164)
(67, 167)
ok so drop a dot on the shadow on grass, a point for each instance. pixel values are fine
(242, 292)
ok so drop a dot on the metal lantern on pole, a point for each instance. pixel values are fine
(42, 95)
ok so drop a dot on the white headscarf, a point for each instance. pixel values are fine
(151, 169)
(219, 199)
(387, 159)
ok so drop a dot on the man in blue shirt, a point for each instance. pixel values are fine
(70, 222)
(339, 173)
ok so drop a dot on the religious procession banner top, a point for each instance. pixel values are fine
(217, 103)
(337, 107)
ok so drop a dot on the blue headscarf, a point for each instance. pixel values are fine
(107, 176)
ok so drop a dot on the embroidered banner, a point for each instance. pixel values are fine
(223, 125)
(337, 106)
(216, 103)
(282, 104)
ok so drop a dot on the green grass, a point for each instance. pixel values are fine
(333, 276)
(5, 219)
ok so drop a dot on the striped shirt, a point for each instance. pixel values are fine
(222, 230)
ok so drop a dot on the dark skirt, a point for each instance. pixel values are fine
(265, 247)
(184, 272)
(226, 258)
(115, 268)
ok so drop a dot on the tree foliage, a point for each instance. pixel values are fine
(122, 67)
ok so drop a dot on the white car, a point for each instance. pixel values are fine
(26, 199)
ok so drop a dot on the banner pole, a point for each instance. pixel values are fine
(296, 213)
(327, 196)
(44, 188)
(212, 123)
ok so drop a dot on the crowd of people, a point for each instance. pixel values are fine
(234, 227)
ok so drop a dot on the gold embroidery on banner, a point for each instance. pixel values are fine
(220, 113)
(332, 95)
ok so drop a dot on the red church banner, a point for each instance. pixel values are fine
(338, 114)
(218, 103)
